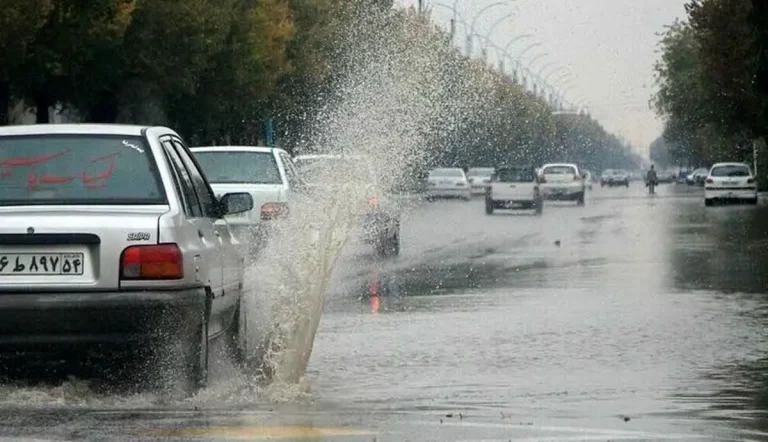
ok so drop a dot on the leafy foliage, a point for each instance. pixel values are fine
(216, 70)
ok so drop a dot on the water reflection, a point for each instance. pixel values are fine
(722, 249)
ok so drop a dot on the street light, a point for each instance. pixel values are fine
(493, 27)
(474, 20)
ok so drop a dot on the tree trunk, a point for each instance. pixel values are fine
(43, 108)
(5, 102)
(105, 110)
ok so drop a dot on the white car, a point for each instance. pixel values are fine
(562, 182)
(268, 174)
(730, 182)
(379, 213)
(112, 239)
(448, 182)
(479, 178)
(514, 187)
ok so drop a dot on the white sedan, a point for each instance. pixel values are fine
(448, 183)
(730, 182)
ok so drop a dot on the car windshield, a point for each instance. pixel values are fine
(239, 167)
(559, 170)
(733, 170)
(481, 172)
(608, 172)
(516, 175)
(77, 169)
(446, 173)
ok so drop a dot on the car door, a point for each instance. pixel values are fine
(215, 236)
(291, 176)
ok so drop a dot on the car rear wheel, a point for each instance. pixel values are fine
(708, 202)
(753, 201)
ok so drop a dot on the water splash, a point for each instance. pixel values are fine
(385, 113)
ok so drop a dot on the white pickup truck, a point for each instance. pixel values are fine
(514, 187)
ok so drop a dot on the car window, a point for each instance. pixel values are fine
(485, 172)
(447, 173)
(191, 202)
(731, 171)
(78, 169)
(559, 170)
(202, 189)
(239, 167)
(515, 175)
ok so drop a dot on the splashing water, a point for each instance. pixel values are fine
(381, 116)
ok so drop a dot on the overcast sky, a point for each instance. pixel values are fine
(608, 45)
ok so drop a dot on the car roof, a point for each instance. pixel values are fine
(66, 129)
(446, 168)
(516, 166)
(559, 165)
(729, 164)
(259, 149)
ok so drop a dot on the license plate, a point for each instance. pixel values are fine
(41, 263)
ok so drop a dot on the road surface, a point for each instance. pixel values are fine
(632, 318)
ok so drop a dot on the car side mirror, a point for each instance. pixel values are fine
(236, 202)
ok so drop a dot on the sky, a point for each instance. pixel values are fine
(607, 48)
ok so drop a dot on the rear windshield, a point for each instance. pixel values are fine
(516, 175)
(608, 172)
(480, 172)
(239, 167)
(451, 173)
(559, 170)
(733, 170)
(77, 169)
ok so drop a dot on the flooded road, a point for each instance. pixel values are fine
(632, 318)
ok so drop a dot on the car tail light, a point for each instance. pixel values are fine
(273, 210)
(161, 261)
(750, 181)
(576, 178)
(373, 202)
(710, 181)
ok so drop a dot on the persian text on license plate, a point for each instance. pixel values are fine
(41, 263)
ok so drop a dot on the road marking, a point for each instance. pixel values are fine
(260, 432)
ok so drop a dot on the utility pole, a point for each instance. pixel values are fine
(421, 6)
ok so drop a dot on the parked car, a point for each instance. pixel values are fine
(266, 173)
(379, 215)
(614, 177)
(112, 239)
(562, 182)
(514, 187)
(479, 178)
(450, 182)
(730, 182)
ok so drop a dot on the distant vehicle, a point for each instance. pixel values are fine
(448, 182)
(479, 178)
(379, 215)
(562, 182)
(614, 177)
(514, 187)
(112, 239)
(697, 177)
(730, 182)
(266, 173)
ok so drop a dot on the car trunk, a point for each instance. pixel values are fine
(70, 249)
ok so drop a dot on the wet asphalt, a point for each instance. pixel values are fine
(635, 317)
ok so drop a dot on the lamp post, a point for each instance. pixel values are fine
(474, 21)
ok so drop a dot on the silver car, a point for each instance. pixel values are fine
(111, 238)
